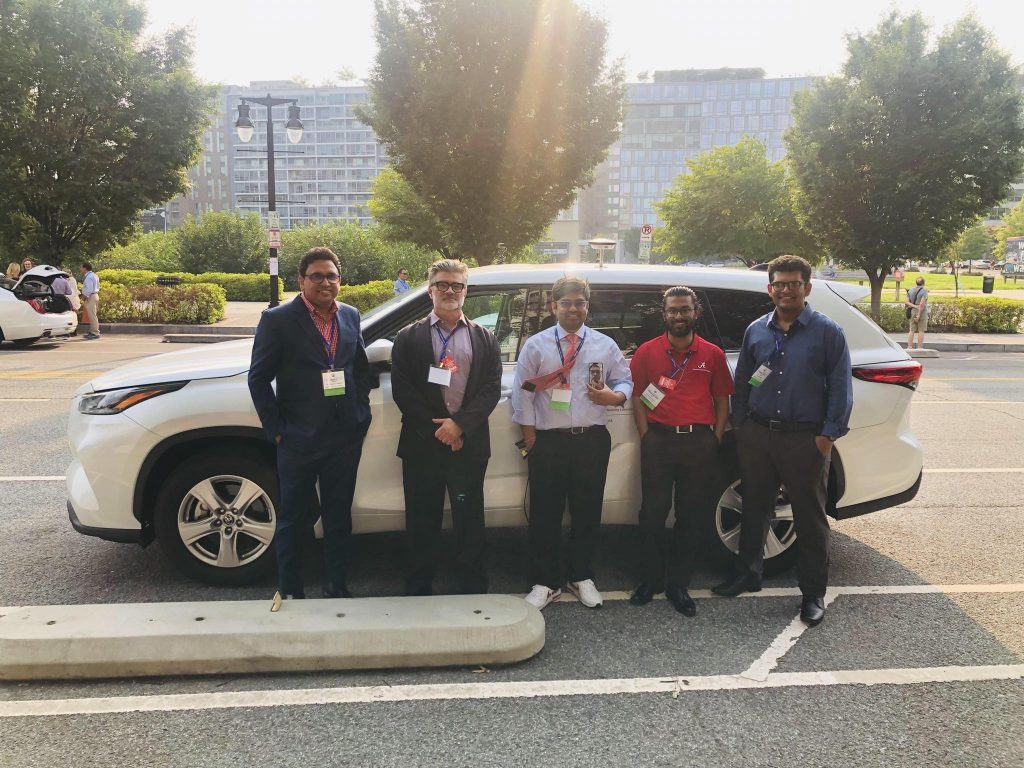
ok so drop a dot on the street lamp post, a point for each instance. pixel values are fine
(293, 128)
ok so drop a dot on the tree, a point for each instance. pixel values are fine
(909, 146)
(494, 112)
(223, 242)
(98, 123)
(157, 251)
(972, 244)
(403, 216)
(1013, 226)
(733, 203)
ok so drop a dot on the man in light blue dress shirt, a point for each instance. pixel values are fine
(566, 379)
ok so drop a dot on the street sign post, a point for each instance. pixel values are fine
(646, 236)
(897, 276)
(274, 238)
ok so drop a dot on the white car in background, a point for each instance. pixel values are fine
(170, 447)
(27, 311)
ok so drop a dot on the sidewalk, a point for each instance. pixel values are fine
(967, 342)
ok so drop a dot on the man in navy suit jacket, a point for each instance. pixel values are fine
(317, 418)
(446, 380)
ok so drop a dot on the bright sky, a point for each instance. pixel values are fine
(238, 41)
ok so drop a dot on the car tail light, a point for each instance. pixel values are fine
(37, 306)
(903, 374)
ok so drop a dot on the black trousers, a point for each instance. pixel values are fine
(679, 468)
(298, 473)
(426, 479)
(767, 460)
(566, 468)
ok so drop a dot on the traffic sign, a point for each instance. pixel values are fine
(897, 274)
(646, 231)
(644, 256)
(273, 220)
(274, 238)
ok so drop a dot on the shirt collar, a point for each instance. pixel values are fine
(694, 345)
(804, 318)
(313, 310)
(434, 319)
(562, 333)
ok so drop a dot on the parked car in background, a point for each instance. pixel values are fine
(28, 309)
(170, 447)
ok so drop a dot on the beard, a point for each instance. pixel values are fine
(679, 330)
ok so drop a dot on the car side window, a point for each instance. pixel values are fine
(733, 311)
(631, 316)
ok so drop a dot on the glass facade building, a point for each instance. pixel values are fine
(668, 123)
(328, 175)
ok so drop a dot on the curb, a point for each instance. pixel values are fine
(206, 330)
(968, 346)
(60, 642)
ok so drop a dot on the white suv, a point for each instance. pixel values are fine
(170, 447)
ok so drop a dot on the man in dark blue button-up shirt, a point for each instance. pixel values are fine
(794, 394)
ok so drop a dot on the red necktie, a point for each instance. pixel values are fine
(548, 380)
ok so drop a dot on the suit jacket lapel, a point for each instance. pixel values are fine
(305, 322)
(425, 343)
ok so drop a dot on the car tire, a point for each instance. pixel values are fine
(235, 499)
(726, 522)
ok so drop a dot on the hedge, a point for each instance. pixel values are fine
(368, 295)
(199, 304)
(965, 315)
(238, 287)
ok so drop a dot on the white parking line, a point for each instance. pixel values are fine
(30, 478)
(967, 402)
(380, 694)
(973, 470)
(25, 399)
(785, 640)
(835, 591)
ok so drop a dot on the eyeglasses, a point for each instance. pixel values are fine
(791, 285)
(676, 311)
(570, 304)
(444, 285)
(319, 277)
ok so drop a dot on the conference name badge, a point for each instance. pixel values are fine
(666, 384)
(759, 376)
(652, 397)
(334, 383)
(438, 375)
(560, 398)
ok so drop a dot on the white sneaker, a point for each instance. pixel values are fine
(540, 596)
(586, 592)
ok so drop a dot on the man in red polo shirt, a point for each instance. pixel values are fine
(681, 388)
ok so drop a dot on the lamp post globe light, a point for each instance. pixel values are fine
(293, 129)
(602, 244)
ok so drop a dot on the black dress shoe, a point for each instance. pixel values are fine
(745, 582)
(643, 594)
(682, 601)
(812, 610)
(331, 591)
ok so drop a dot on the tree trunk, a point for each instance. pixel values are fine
(877, 280)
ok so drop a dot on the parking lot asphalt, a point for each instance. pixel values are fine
(928, 657)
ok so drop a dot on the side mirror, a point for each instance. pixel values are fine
(379, 353)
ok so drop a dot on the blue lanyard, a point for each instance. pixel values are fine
(329, 342)
(558, 346)
(444, 340)
(678, 369)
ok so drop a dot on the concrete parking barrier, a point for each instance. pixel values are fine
(145, 639)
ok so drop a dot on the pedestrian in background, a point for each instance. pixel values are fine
(402, 283)
(62, 291)
(26, 265)
(794, 394)
(917, 312)
(91, 296)
(681, 388)
(13, 271)
(566, 378)
(317, 416)
(446, 381)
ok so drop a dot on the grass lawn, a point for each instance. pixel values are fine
(933, 299)
(942, 282)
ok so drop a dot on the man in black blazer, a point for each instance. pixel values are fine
(317, 418)
(446, 380)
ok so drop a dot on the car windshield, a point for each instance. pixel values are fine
(387, 305)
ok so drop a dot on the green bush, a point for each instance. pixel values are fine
(237, 287)
(198, 304)
(155, 250)
(964, 315)
(367, 296)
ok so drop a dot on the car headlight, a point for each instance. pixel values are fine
(119, 400)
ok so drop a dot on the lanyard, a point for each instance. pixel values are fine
(444, 340)
(329, 342)
(561, 355)
(678, 369)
